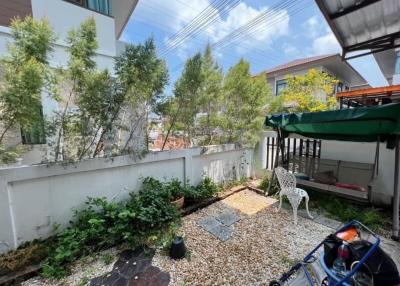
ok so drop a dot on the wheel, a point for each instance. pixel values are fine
(274, 283)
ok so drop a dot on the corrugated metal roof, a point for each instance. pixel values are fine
(299, 62)
(363, 24)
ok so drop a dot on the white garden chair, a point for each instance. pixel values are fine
(287, 182)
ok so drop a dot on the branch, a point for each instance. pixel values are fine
(11, 123)
(131, 133)
(57, 151)
(170, 127)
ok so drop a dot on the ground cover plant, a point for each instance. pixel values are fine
(146, 217)
(344, 210)
(338, 208)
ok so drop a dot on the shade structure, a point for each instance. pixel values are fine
(365, 124)
(357, 124)
(363, 26)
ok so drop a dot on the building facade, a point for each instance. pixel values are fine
(332, 64)
(111, 16)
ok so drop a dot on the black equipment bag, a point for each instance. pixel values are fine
(381, 265)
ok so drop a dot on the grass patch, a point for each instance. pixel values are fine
(345, 210)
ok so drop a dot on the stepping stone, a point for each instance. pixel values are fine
(209, 223)
(133, 268)
(222, 232)
(228, 217)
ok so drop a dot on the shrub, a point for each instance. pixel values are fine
(146, 216)
(206, 189)
(265, 183)
(175, 188)
(104, 224)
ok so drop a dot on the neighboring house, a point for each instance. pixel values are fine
(111, 17)
(332, 64)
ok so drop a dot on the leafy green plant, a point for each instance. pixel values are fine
(265, 183)
(176, 189)
(146, 217)
(345, 211)
(107, 258)
(206, 189)
(103, 224)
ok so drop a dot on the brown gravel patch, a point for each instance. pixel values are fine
(249, 202)
(261, 248)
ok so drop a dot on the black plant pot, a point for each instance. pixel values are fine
(178, 248)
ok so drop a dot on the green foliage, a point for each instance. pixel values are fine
(141, 78)
(141, 74)
(139, 82)
(244, 101)
(86, 87)
(104, 224)
(265, 183)
(212, 109)
(187, 92)
(10, 154)
(345, 211)
(107, 258)
(304, 93)
(26, 74)
(206, 189)
(210, 98)
(146, 216)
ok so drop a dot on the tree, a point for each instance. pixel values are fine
(244, 105)
(311, 92)
(186, 98)
(209, 98)
(89, 103)
(26, 74)
(141, 77)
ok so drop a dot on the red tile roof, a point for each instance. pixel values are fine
(299, 62)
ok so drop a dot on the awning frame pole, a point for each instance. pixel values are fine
(396, 192)
(278, 143)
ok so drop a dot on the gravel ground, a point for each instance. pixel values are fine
(83, 270)
(262, 247)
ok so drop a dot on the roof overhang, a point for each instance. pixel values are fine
(122, 11)
(341, 69)
(363, 26)
(387, 61)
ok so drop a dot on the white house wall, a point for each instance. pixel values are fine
(64, 16)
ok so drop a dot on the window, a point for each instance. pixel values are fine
(34, 134)
(339, 87)
(101, 6)
(280, 85)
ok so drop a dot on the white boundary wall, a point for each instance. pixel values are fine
(34, 198)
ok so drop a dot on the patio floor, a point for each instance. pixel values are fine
(241, 240)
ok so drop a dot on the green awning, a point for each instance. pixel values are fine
(358, 124)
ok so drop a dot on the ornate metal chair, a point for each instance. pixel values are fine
(287, 182)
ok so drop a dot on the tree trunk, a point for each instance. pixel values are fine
(57, 151)
(170, 127)
(132, 131)
(6, 129)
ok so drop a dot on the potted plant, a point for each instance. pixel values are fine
(176, 193)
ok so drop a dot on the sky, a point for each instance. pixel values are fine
(291, 30)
